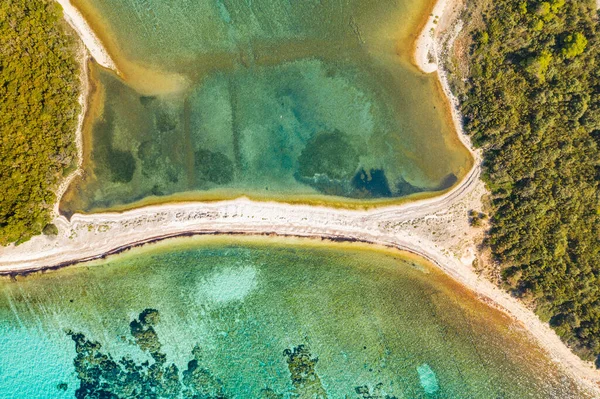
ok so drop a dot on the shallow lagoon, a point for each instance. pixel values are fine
(311, 101)
(259, 318)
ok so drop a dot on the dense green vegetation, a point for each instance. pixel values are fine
(39, 87)
(532, 102)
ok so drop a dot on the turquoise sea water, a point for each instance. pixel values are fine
(272, 99)
(251, 320)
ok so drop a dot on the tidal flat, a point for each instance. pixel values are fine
(242, 317)
(312, 101)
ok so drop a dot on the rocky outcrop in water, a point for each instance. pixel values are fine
(101, 376)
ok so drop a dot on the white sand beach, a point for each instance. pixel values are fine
(87, 35)
(426, 53)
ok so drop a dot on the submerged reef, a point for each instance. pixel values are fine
(101, 376)
(305, 380)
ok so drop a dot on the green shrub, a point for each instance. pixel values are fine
(50, 230)
(574, 45)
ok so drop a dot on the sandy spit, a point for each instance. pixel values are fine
(425, 54)
(87, 35)
(435, 228)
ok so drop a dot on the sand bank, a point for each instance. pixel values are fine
(425, 53)
(87, 35)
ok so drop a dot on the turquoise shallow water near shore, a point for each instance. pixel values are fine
(310, 100)
(251, 320)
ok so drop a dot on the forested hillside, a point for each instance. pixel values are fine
(531, 100)
(39, 88)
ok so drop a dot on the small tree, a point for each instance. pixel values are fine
(538, 65)
(573, 45)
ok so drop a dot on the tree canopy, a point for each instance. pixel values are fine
(39, 89)
(530, 95)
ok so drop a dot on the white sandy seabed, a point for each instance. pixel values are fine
(436, 229)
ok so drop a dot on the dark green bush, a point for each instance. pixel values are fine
(50, 229)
